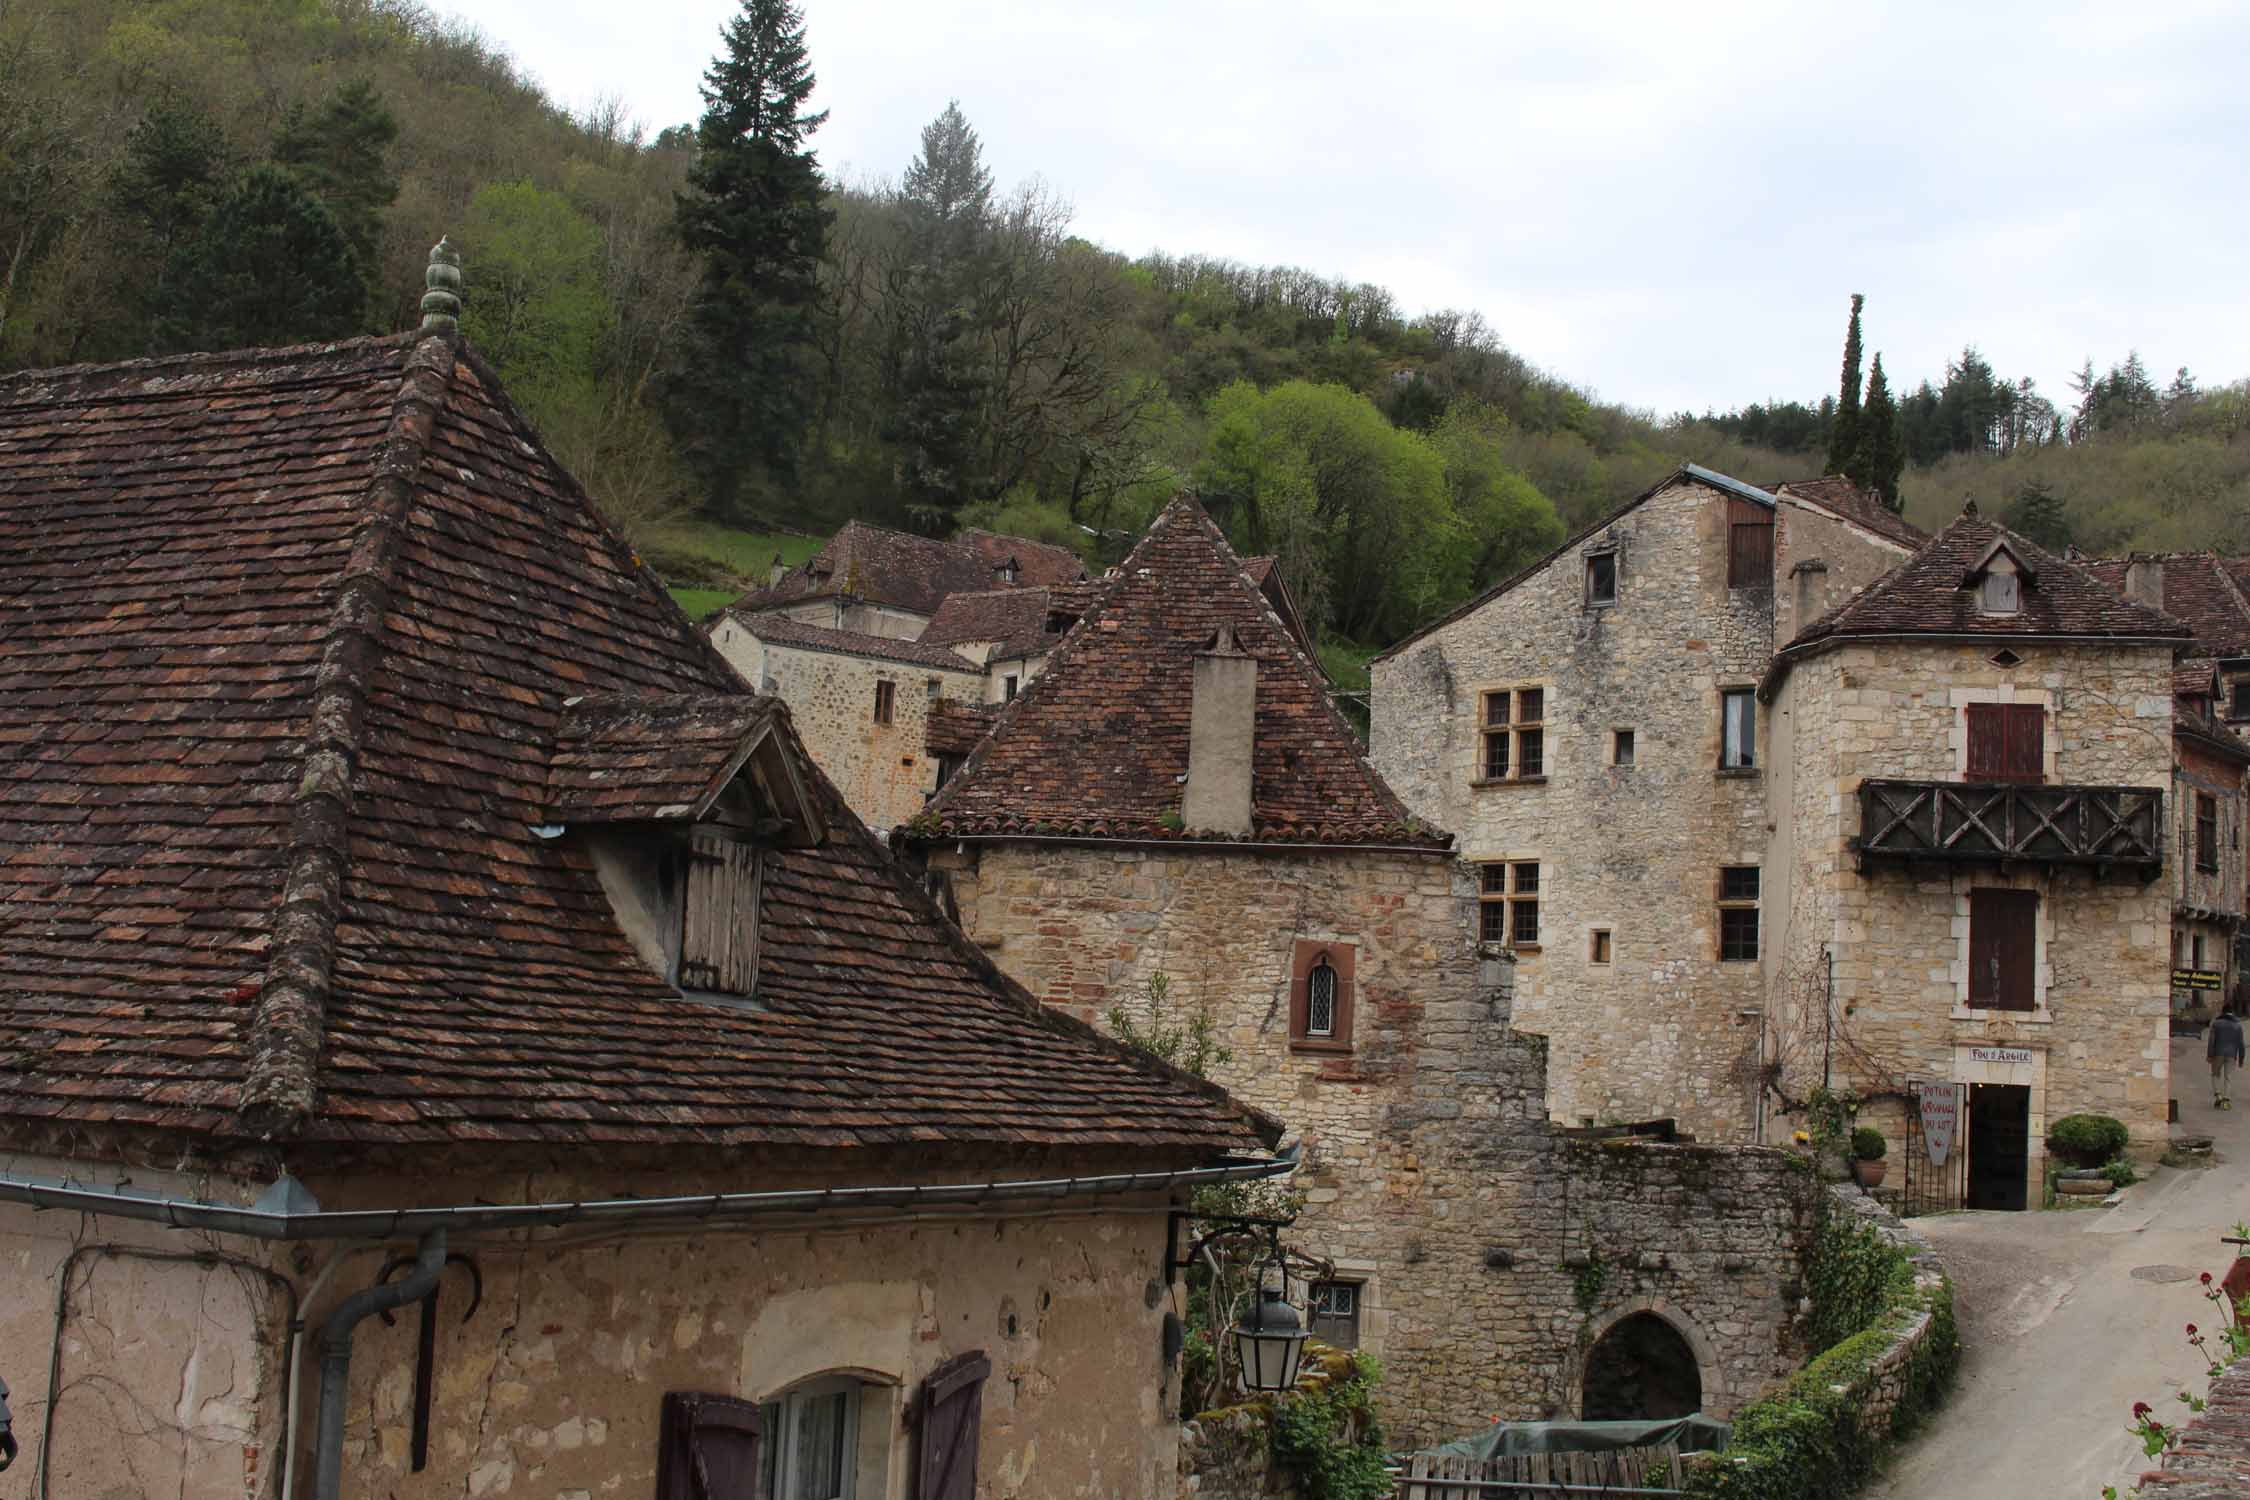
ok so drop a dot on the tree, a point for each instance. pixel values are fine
(1507, 521)
(269, 267)
(2037, 514)
(1843, 432)
(172, 177)
(341, 153)
(1881, 454)
(947, 195)
(755, 215)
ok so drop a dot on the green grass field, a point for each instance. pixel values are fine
(701, 604)
(708, 565)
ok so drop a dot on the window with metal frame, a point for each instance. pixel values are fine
(1334, 1306)
(1320, 995)
(1738, 729)
(1738, 914)
(2206, 833)
(812, 1446)
(1508, 903)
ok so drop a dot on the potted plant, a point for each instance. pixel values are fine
(1868, 1150)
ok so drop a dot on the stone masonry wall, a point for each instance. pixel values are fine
(1899, 935)
(883, 770)
(1491, 1250)
(1851, 559)
(1662, 1029)
(2213, 1459)
(2206, 904)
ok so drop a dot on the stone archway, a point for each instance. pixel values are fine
(1644, 1360)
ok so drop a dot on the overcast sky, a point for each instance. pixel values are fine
(1668, 203)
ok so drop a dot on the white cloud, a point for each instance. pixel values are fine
(1671, 204)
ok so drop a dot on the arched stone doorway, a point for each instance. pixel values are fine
(1641, 1368)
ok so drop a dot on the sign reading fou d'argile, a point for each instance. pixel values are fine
(1941, 1114)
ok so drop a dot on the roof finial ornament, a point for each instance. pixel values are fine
(441, 303)
(1969, 507)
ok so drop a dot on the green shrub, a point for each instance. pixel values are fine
(2120, 1173)
(2086, 1140)
(1868, 1144)
(1327, 1438)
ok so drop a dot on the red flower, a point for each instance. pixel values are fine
(2206, 1278)
(2141, 1409)
(2191, 1330)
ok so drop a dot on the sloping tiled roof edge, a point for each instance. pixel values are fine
(1478, 601)
(286, 1025)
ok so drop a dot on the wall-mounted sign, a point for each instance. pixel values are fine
(2005, 1057)
(2198, 979)
(1941, 1113)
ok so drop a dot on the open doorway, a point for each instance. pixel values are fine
(1999, 1144)
(1641, 1370)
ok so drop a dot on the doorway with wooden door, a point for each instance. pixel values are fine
(1999, 1145)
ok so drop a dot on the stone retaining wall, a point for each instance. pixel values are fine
(2213, 1459)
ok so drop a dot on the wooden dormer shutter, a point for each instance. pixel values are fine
(707, 1448)
(951, 1416)
(2007, 742)
(719, 916)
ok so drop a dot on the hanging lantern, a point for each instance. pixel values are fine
(1270, 1344)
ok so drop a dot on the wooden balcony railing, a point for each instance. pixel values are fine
(2109, 827)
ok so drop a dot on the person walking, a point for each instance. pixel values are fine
(2224, 1047)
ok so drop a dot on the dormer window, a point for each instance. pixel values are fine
(1999, 580)
(1009, 572)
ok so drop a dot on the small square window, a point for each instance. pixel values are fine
(1621, 747)
(1601, 578)
(1508, 903)
(1738, 883)
(1597, 946)
(1008, 687)
(1334, 1306)
(886, 694)
(1531, 705)
(1531, 753)
(1738, 934)
(1527, 880)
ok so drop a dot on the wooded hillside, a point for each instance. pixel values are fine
(202, 173)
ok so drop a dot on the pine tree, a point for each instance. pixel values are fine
(270, 266)
(946, 203)
(947, 195)
(341, 153)
(1881, 456)
(173, 175)
(1843, 434)
(2037, 513)
(755, 216)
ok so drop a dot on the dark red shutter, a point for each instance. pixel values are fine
(2003, 949)
(946, 1431)
(2027, 743)
(1988, 742)
(707, 1448)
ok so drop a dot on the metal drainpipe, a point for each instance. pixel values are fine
(336, 1356)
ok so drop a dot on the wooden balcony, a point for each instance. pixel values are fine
(2118, 828)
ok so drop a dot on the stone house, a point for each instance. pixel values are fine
(1591, 730)
(1173, 821)
(405, 904)
(880, 582)
(2212, 690)
(1963, 880)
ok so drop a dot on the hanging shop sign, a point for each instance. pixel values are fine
(2198, 979)
(1941, 1113)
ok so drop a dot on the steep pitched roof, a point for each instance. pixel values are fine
(1928, 595)
(1864, 508)
(644, 758)
(288, 647)
(2199, 591)
(953, 728)
(780, 630)
(1097, 745)
(1684, 474)
(988, 615)
(914, 572)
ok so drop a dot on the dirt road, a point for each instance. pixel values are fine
(2069, 1318)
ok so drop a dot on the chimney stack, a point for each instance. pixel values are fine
(1812, 590)
(1222, 730)
(774, 574)
(2144, 580)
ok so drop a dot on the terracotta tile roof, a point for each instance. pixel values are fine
(288, 643)
(1863, 508)
(915, 573)
(988, 615)
(625, 757)
(2196, 679)
(781, 630)
(2198, 591)
(1925, 595)
(955, 728)
(1097, 745)
(1266, 574)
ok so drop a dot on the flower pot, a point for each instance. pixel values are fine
(1870, 1173)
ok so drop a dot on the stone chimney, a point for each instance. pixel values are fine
(2144, 580)
(1222, 730)
(1812, 590)
(774, 574)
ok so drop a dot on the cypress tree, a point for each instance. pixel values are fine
(755, 216)
(1843, 435)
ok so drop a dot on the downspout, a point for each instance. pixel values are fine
(336, 1356)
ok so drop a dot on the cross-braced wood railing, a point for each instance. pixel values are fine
(2111, 827)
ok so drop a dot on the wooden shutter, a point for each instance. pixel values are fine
(2003, 949)
(952, 1413)
(2007, 742)
(707, 1448)
(719, 923)
(1988, 742)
